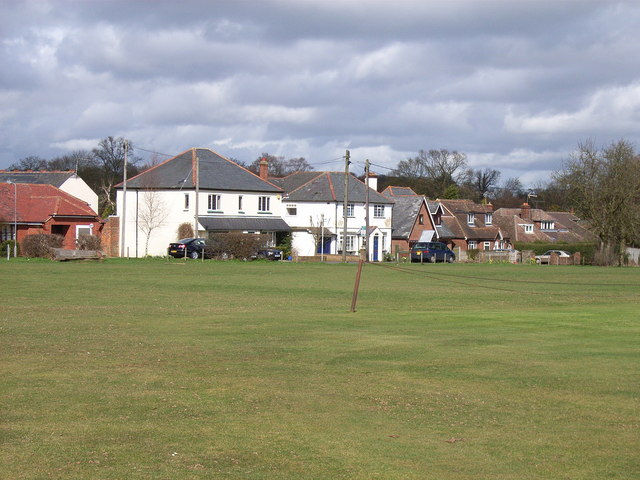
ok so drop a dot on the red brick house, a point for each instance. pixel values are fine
(470, 225)
(415, 219)
(44, 209)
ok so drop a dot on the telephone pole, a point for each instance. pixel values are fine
(197, 182)
(345, 206)
(124, 201)
(366, 210)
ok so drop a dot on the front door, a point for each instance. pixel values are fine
(375, 248)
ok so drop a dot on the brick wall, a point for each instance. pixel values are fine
(111, 237)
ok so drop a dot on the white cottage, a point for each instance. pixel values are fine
(201, 187)
(313, 208)
(67, 181)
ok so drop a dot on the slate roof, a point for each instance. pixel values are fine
(224, 224)
(327, 187)
(55, 178)
(216, 173)
(38, 203)
(405, 211)
(394, 191)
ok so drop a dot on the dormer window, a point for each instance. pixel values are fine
(471, 219)
(547, 225)
(528, 228)
(488, 218)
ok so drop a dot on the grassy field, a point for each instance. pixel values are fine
(170, 370)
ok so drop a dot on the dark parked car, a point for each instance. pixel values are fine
(190, 247)
(431, 252)
(268, 254)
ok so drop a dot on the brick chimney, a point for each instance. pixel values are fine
(264, 168)
(525, 211)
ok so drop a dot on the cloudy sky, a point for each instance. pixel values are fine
(513, 84)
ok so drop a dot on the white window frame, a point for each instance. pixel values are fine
(488, 219)
(528, 228)
(472, 245)
(471, 219)
(378, 211)
(240, 203)
(351, 242)
(264, 204)
(186, 202)
(292, 209)
(486, 246)
(213, 202)
(351, 210)
(547, 225)
(83, 227)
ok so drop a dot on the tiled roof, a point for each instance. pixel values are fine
(54, 178)
(216, 173)
(327, 187)
(455, 221)
(37, 203)
(566, 226)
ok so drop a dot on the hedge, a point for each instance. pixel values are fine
(587, 249)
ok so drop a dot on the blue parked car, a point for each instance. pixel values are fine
(432, 252)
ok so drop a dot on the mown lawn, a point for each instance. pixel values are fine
(131, 369)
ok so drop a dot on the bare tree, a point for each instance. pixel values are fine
(442, 167)
(317, 227)
(110, 156)
(279, 167)
(604, 188)
(152, 214)
(32, 162)
(485, 181)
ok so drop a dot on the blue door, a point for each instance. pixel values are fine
(326, 247)
(375, 248)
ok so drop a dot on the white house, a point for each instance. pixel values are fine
(313, 208)
(201, 187)
(67, 181)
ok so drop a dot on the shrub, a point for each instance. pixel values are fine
(185, 230)
(89, 242)
(472, 254)
(9, 243)
(41, 245)
(587, 249)
(236, 245)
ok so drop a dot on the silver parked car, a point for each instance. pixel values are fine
(546, 256)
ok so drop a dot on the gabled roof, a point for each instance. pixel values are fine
(216, 173)
(55, 178)
(455, 221)
(327, 187)
(394, 191)
(38, 203)
(566, 226)
(405, 211)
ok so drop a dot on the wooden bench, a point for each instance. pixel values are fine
(62, 255)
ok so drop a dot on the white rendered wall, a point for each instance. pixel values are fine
(173, 204)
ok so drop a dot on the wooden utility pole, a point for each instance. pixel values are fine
(366, 210)
(345, 206)
(123, 220)
(197, 182)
